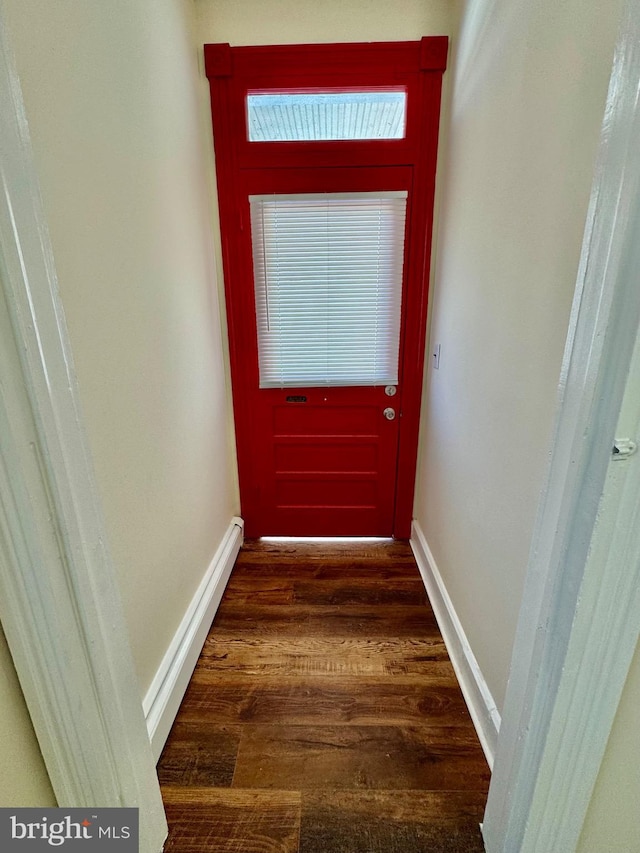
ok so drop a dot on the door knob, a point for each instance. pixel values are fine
(389, 413)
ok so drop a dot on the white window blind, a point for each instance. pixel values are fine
(328, 283)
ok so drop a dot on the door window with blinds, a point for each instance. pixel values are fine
(328, 285)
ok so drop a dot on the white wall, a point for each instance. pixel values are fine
(309, 21)
(23, 779)
(111, 97)
(613, 819)
(612, 822)
(528, 96)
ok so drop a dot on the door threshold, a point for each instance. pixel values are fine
(326, 539)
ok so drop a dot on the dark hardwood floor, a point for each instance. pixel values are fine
(324, 715)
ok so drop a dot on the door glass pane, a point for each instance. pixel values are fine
(328, 285)
(304, 116)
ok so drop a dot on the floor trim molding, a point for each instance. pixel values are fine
(167, 689)
(483, 710)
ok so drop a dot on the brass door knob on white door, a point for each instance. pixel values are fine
(389, 413)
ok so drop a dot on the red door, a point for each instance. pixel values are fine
(326, 290)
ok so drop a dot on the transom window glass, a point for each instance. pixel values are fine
(305, 116)
(328, 285)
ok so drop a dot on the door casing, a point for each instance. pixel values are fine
(233, 72)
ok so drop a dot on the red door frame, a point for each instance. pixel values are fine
(416, 66)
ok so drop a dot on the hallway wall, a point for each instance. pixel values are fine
(309, 22)
(529, 86)
(613, 820)
(117, 134)
(23, 781)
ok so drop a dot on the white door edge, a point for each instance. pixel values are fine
(59, 601)
(580, 617)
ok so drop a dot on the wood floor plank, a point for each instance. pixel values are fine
(261, 589)
(344, 620)
(350, 701)
(199, 752)
(326, 562)
(268, 590)
(391, 822)
(437, 673)
(243, 619)
(214, 820)
(346, 591)
(335, 570)
(328, 656)
(388, 550)
(425, 758)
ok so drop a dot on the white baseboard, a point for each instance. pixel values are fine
(485, 715)
(163, 698)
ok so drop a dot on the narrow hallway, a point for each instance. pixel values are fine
(324, 715)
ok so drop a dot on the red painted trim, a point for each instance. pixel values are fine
(217, 60)
(414, 355)
(416, 65)
(335, 59)
(223, 135)
(433, 53)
